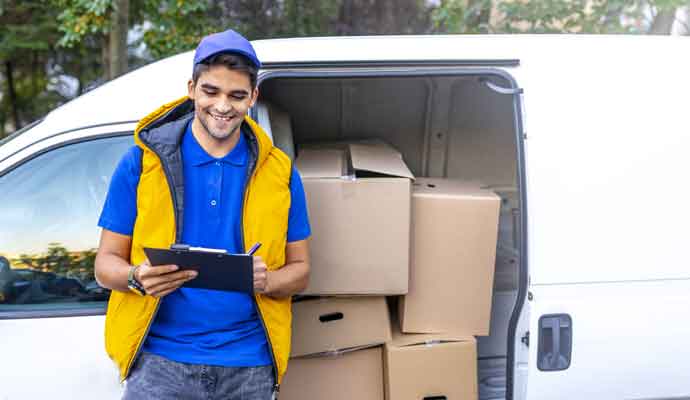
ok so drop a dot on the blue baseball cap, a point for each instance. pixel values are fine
(225, 42)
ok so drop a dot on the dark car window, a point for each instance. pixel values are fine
(48, 235)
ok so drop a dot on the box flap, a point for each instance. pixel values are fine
(379, 158)
(321, 163)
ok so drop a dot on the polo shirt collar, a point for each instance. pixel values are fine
(195, 155)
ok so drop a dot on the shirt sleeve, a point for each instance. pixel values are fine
(120, 207)
(298, 219)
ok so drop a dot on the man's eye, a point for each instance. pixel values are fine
(210, 92)
(238, 97)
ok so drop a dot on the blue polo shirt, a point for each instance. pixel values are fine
(195, 325)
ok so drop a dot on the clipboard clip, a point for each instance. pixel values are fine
(186, 247)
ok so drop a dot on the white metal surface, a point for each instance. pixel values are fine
(607, 146)
(629, 341)
(56, 358)
(607, 154)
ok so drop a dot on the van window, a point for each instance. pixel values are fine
(48, 232)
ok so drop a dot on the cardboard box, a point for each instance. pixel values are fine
(331, 324)
(344, 376)
(454, 232)
(358, 196)
(419, 366)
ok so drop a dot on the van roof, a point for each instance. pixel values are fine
(135, 94)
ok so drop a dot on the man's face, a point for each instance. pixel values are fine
(221, 99)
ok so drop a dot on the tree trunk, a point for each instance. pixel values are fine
(663, 22)
(118, 38)
(105, 58)
(12, 94)
(344, 22)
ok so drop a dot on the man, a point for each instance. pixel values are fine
(204, 174)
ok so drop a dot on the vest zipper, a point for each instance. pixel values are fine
(250, 173)
(276, 386)
(143, 339)
(176, 216)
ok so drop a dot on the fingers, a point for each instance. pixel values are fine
(260, 280)
(145, 270)
(167, 286)
(162, 279)
(150, 282)
(260, 275)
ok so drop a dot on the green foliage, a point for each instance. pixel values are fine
(550, 16)
(582, 16)
(177, 25)
(461, 16)
(24, 25)
(80, 18)
(28, 33)
(309, 17)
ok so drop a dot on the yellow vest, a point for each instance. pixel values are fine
(264, 219)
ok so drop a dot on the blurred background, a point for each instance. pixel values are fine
(54, 50)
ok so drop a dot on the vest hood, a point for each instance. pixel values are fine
(162, 130)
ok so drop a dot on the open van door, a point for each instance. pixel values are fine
(606, 164)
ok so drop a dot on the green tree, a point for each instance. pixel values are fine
(178, 25)
(105, 20)
(171, 26)
(462, 16)
(26, 34)
(557, 16)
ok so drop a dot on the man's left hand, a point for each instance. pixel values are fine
(260, 276)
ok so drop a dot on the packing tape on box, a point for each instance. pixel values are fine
(349, 189)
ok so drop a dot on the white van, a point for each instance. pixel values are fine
(586, 139)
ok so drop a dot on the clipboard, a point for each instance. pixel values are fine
(217, 270)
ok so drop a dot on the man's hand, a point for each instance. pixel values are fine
(288, 280)
(260, 276)
(161, 280)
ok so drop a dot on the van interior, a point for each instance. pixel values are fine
(445, 125)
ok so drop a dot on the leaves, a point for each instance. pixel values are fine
(174, 26)
(80, 18)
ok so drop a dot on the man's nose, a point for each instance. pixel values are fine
(224, 106)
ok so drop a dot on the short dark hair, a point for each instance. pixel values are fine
(232, 61)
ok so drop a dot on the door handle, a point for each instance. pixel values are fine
(499, 89)
(555, 347)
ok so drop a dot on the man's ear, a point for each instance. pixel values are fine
(255, 95)
(190, 89)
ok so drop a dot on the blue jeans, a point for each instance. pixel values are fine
(155, 377)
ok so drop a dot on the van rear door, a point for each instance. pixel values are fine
(607, 161)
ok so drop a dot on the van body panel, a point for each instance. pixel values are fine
(56, 358)
(607, 152)
(628, 341)
(607, 144)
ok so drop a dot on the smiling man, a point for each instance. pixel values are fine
(204, 174)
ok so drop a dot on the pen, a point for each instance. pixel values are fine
(254, 248)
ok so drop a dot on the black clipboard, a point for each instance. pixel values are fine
(217, 271)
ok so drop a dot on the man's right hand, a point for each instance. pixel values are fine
(161, 280)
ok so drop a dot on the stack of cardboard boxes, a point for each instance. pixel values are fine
(379, 234)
